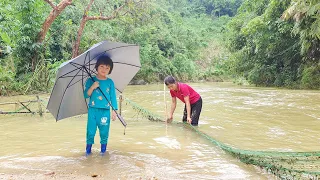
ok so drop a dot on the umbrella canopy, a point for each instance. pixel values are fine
(67, 99)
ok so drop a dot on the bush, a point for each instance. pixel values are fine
(311, 77)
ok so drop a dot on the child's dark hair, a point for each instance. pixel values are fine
(105, 60)
(169, 80)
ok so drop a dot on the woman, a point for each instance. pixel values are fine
(192, 100)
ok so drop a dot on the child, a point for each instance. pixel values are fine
(98, 106)
(192, 100)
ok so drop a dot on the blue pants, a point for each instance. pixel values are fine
(98, 117)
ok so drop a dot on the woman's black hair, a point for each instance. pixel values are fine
(169, 80)
(105, 60)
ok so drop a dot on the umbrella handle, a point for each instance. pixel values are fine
(119, 116)
(121, 119)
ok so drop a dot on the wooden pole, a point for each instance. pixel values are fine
(165, 102)
(39, 106)
(120, 103)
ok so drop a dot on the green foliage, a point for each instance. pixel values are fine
(171, 35)
(30, 14)
(217, 8)
(7, 28)
(7, 76)
(182, 38)
(307, 25)
(310, 77)
(264, 49)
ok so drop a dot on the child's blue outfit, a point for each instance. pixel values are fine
(99, 110)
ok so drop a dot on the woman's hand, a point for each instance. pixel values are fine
(169, 120)
(189, 120)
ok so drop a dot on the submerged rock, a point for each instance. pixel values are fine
(138, 82)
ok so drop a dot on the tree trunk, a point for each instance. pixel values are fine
(55, 12)
(85, 18)
(75, 50)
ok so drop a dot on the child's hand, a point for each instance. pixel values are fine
(95, 85)
(114, 115)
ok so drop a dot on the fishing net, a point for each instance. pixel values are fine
(285, 165)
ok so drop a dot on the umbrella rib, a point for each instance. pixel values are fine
(112, 49)
(86, 76)
(79, 75)
(65, 92)
(88, 53)
(72, 70)
(81, 67)
(127, 64)
(118, 63)
(77, 68)
(119, 90)
(78, 80)
(67, 73)
(73, 74)
(85, 100)
(82, 82)
(105, 52)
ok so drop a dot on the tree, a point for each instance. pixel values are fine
(56, 10)
(119, 10)
(305, 13)
(307, 19)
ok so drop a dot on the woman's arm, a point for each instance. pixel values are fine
(188, 107)
(173, 107)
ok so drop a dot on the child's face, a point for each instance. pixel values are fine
(172, 87)
(103, 70)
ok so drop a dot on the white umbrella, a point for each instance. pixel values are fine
(67, 100)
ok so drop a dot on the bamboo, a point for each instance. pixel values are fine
(165, 103)
(13, 112)
(6, 103)
(25, 107)
(39, 106)
(120, 103)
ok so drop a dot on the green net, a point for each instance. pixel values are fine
(285, 165)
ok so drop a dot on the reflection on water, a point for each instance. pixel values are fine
(171, 143)
(244, 117)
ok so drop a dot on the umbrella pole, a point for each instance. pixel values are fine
(118, 115)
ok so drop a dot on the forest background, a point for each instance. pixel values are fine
(260, 42)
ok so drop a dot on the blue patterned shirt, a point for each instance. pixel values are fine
(97, 100)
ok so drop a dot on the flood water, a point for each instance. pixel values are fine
(34, 147)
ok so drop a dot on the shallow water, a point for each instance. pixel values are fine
(243, 117)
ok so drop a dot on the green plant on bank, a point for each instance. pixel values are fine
(41, 80)
(311, 77)
(7, 76)
(271, 51)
